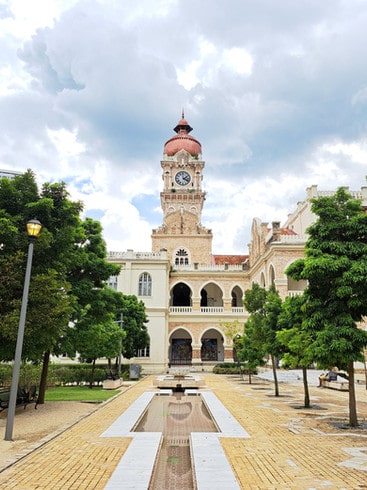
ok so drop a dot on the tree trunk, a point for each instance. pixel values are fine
(353, 420)
(249, 377)
(276, 384)
(305, 387)
(43, 380)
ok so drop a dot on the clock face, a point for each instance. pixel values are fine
(182, 177)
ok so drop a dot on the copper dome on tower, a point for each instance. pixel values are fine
(183, 141)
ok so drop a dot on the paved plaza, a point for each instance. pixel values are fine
(288, 447)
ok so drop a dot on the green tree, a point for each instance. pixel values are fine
(94, 333)
(335, 267)
(232, 332)
(295, 339)
(252, 348)
(68, 273)
(134, 326)
(98, 333)
(264, 307)
(48, 301)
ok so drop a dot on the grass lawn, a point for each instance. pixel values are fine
(79, 394)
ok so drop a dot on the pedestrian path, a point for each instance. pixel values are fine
(289, 447)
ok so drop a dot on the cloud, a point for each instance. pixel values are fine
(276, 92)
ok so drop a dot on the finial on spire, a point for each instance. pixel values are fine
(182, 125)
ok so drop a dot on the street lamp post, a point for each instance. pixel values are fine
(33, 230)
(120, 323)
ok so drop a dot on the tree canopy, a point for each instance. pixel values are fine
(335, 266)
(295, 339)
(70, 306)
(260, 330)
(50, 298)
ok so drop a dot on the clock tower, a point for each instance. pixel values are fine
(187, 242)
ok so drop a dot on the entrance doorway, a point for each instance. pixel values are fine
(180, 348)
(212, 346)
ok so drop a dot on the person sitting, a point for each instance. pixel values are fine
(328, 376)
(332, 376)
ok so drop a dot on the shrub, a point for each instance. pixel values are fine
(5, 374)
(232, 368)
(29, 375)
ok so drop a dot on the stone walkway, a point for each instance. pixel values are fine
(289, 447)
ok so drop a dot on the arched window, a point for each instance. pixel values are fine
(262, 280)
(182, 257)
(145, 284)
(272, 276)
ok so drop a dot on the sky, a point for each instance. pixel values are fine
(276, 91)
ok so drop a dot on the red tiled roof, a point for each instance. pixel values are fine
(229, 259)
(182, 141)
(287, 231)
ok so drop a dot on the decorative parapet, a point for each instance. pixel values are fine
(173, 158)
(131, 255)
(313, 192)
(293, 238)
(287, 238)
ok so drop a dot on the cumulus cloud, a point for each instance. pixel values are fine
(276, 92)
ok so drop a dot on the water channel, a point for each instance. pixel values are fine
(176, 416)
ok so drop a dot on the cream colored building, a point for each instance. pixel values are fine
(194, 298)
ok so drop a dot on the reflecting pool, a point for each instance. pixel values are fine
(176, 416)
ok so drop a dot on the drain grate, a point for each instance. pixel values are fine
(177, 441)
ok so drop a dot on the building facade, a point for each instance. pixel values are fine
(194, 298)
(9, 174)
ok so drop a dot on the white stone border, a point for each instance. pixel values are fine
(211, 468)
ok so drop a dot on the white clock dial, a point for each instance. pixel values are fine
(182, 177)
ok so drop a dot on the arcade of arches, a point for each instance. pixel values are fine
(194, 343)
(183, 350)
(210, 295)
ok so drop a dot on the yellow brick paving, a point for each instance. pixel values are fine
(289, 447)
(292, 448)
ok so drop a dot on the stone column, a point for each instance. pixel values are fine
(195, 304)
(196, 355)
(227, 305)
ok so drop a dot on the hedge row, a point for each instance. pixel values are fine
(231, 368)
(57, 374)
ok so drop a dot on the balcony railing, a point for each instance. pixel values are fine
(180, 309)
(206, 310)
(208, 267)
(211, 309)
(237, 309)
(295, 293)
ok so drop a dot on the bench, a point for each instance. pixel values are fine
(24, 398)
(340, 384)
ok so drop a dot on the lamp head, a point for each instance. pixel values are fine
(33, 228)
